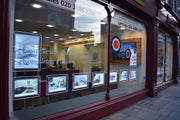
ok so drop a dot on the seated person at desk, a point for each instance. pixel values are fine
(59, 65)
(70, 66)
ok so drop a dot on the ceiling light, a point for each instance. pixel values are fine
(60, 39)
(56, 35)
(70, 37)
(74, 29)
(123, 28)
(51, 41)
(103, 22)
(74, 15)
(18, 20)
(82, 34)
(47, 37)
(37, 5)
(50, 25)
(34, 31)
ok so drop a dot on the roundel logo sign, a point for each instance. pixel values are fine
(127, 54)
(116, 44)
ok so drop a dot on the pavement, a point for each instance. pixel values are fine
(165, 106)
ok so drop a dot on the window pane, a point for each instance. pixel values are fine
(59, 56)
(161, 53)
(128, 55)
(169, 58)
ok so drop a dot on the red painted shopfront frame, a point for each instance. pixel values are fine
(4, 58)
(97, 110)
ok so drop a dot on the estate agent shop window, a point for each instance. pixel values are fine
(128, 55)
(58, 55)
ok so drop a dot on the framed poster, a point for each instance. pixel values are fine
(26, 87)
(123, 75)
(57, 84)
(133, 58)
(132, 74)
(128, 44)
(98, 79)
(26, 51)
(80, 81)
(113, 77)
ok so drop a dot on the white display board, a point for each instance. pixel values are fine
(123, 75)
(80, 81)
(26, 51)
(113, 77)
(26, 87)
(132, 74)
(57, 84)
(98, 79)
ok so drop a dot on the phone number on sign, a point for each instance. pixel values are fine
(63, 3)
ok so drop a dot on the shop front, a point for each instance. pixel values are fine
(76, 59)
(167, 48)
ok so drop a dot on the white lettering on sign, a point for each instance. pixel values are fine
(64, 4)
(71, 5)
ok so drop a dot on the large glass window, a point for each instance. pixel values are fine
(128, 55)
(161, 54)
(169, 58)
(58, 55)
(165, 57)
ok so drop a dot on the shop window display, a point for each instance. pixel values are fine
(128, 54)
(64, 43)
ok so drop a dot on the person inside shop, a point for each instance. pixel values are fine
(59, 65)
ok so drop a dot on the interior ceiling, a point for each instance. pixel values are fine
(37, 20)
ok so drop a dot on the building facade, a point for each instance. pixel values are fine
(76, 59)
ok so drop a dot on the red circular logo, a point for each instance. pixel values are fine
(127, 54)
(116, 44)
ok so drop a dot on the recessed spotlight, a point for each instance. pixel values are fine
(34, 31)
(123, 28)
(74, 30)
(74, 15)
(50, 25)
(47, 37)
(103, 22)
(56, 35)
(70, 37)
(18, 20)
(60, 39)
(37, 5)
(51, 41)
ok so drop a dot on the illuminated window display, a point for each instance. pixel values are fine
(57, 83)
(80, 81)
(26, 51)
(123, 75)
(98, 79)
(26, 87)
